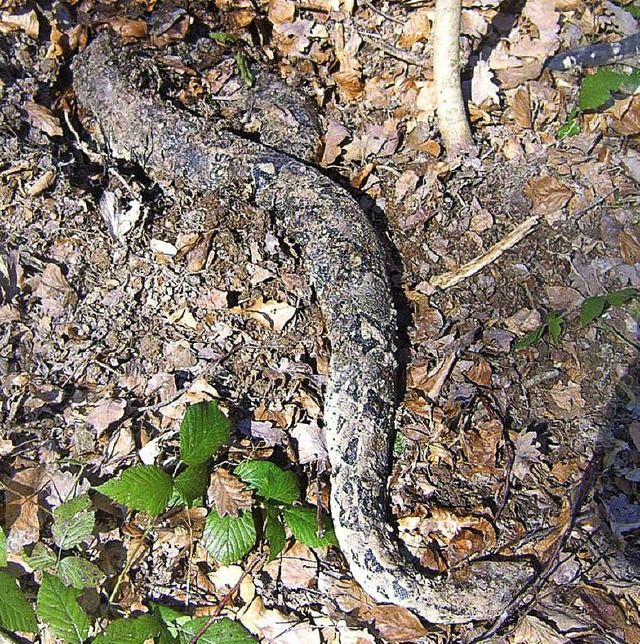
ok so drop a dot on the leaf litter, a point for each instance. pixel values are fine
(110, 331)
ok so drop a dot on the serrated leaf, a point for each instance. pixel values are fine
(16, 613)
(224, 630)
(304, 525)
(79, 573)
(618, 298)
(596, 89)
(227, 538)
(192, 483)
(269, 481)
(274, 531)
(57, 607)
(130, 630)
(70, 531)
(41, 557)
(554, 325)
(592, 308)
(70, 508)
(3, 548)
(141, 487)
(204, 429)
(530, 339)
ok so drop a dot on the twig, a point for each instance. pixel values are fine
(394, 52)
(382, 13)
(258, 559)
(452, 278)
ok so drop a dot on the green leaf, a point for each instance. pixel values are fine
(596, 89)
(269, 481)
(141, 487)
(3, 548)
(228, 538)
(80, 573)
(571, 127)
(192, 483)
(70, 508)
(204, 429)
(530, 339)
(223, 631)
(592, 308)
(57, 607)
(130, 630)
(15, 612)
(243, 66)
(618, 298)
(41, 557)
(274, 531)
(554, 325)
(68, 532)
(304, 525)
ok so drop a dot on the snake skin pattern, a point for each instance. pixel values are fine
(345, 263)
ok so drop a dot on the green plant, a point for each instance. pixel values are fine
(241, 59)
(591, 309)
(267, 499)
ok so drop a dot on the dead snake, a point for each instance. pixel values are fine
(345, 263)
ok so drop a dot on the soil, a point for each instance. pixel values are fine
(121, 303)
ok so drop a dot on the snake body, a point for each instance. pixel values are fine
(345, 263)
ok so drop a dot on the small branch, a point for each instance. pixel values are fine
(452, 278)
(258, 559)
(452, 116)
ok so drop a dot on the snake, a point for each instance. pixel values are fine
(345, 262)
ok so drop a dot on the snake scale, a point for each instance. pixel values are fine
(345, 263)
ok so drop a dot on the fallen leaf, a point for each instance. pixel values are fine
(105, 413)
(548, 194)
(416, 28)
(54, 291)
(228, 494)
(281, 11)
(271, 314)
(27, 21)
(526, 454)
(397, 624)
(336, 133)
(43, 119)
(312, 444)
(350, 82)
(22, 511)
(531, 630)
(296, 568)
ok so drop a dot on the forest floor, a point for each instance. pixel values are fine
(121, 304)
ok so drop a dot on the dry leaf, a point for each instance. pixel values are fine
(105, 413)
(520, 102)
(281, 11)
(603, 609)
(28, 22)
(335, 135)
(526, 454)
(397, 624)
(548, 194)
(41, 184)
(480, 372)
(297, 568)
(531, 630)
(21, 515)
(228, 494)
(43, 119)
(312, 444)
(483, 88)
(350, 82)
(271, 314)
(416, 28)
(54, 291)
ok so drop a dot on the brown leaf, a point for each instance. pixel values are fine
(415, 29)
(28, 22)
(603, 609)
(335, 135)
(227, 494)
(297, 568)
(43, 119)
(397, 624)
(54, 290)
(520, 102)
(350, 82)
(526, 454)
(128, 28)
(312, 445)
(548, 194)
(271, 314)
(105, 413)
(531, 630)
(281, 11)
(21, 517)
(629, 242)
(480, 372)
